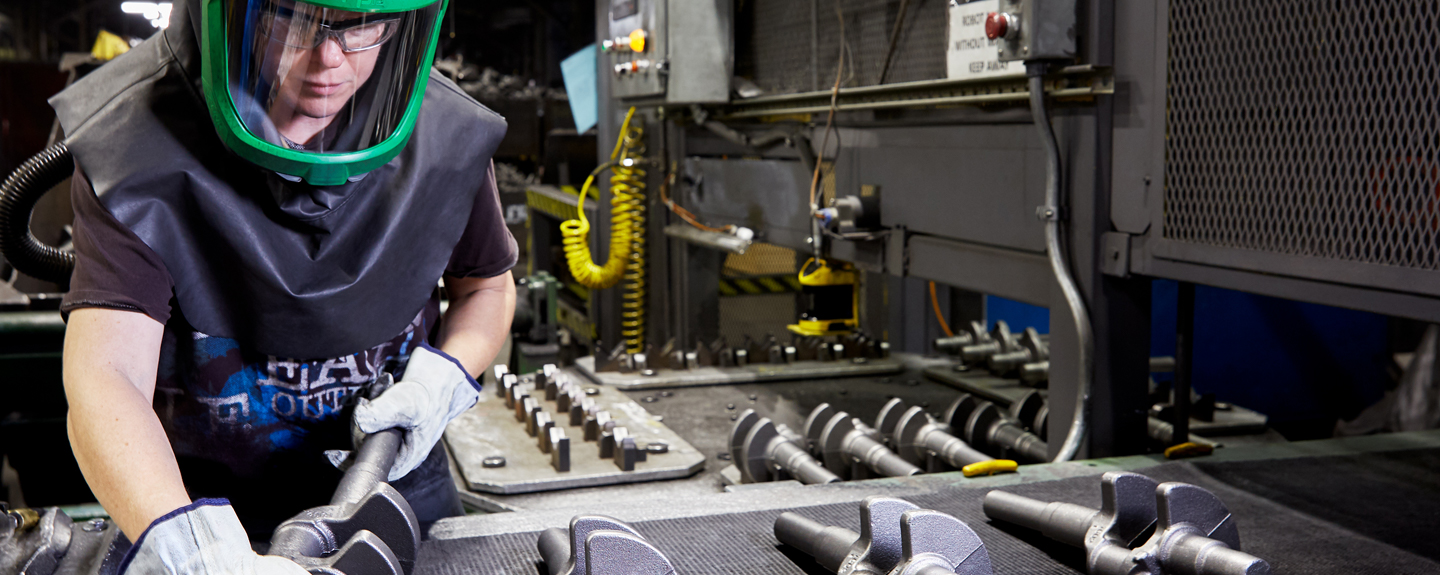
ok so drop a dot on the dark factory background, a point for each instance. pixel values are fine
(924, 181)
(507, 55)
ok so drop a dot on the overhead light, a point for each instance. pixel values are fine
(158, 13)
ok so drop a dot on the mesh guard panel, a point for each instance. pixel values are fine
(1306, 128)
(781, 49)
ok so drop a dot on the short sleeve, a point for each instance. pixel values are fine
(114, 269)
(486, 249)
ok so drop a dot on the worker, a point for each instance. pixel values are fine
(267, 194)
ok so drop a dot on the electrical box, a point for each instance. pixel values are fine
(675, 51)
(1034, 30)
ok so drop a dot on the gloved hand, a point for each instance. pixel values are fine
(203, 538)
(435, 390)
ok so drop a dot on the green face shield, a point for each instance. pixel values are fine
(319, 90)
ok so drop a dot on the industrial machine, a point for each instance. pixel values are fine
(898, 161)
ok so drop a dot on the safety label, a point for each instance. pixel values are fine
(969, 54)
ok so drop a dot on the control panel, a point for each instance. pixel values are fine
(1031, 30)
(647, 62)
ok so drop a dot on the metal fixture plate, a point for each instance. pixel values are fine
(758, 373)
(490, 429)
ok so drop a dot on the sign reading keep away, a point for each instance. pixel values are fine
(969, 54)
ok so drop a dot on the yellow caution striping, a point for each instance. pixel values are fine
(748, 286)
(760, 285)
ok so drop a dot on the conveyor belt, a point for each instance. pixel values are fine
(1330, 512)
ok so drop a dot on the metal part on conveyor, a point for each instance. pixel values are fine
(764, 451)
(1000, 341)
(1194, 533)
(1030, 348)
(1163, 432)
(1031, 410)
(368, 527)
(896, 538)
(1035, 373)
(753, 360)
(748, 371)
(599, 545)
(921, 440)
(984, 426)
(849, 447)
(967, 335)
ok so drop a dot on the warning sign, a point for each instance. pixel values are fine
(969, 54)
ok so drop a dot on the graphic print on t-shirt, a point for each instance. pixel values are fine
(243, 409)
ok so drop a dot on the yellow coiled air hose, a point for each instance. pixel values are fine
(627, 233)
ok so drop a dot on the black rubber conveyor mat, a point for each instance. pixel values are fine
(1356, 514)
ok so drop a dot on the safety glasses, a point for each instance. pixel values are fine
(308, 29)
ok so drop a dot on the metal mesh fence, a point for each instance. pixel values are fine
(788, 46)
(761, 260)
(1306, 127)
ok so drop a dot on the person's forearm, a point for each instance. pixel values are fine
(110, 364)
(477, 321)
(124, 454)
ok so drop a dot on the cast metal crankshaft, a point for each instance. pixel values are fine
(600, 545)
(764, 451)
(896, 538)
(1194, 533)
(852, 449)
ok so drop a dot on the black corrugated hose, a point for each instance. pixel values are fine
(21, 191)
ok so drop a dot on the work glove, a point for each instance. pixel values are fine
(203, 538)
(435, 390)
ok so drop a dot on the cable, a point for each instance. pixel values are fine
(935, 303)
(894, 40)
(684, 214)
(1050, 212)
(632, 305)
(18, 197)
(627, 234)
(829, 124)
(574, 232)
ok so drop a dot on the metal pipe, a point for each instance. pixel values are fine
(1050, 213)
(1184, 359)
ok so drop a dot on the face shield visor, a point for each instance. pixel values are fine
(324, 90)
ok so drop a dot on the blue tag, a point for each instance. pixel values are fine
(580, 86)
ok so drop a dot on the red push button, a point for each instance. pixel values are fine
(999, 25)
